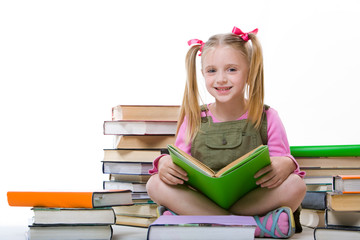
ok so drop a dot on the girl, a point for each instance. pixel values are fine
(232, 66)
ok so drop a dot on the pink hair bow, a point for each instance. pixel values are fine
(244, 36)
(198, 42)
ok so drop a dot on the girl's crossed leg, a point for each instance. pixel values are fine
(186, 201)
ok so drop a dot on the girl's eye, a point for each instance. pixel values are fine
(231, 69)
(211, 71)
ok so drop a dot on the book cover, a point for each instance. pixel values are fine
(143, 141)
(346, 183)
(321, 187)
(132, 155)
(326, 151)
(126, 167)
(134, 221)
(134, 187)
(69, 199)
(134, 178)
(202, 227)
(314, 200)
(318, 180)
(329, 162)
(230, 183)
(318, 171)
(65, 232)
(123, 127)
(336, 233)
(342, 218)
(343, 202)
(148, 210)
(146, 112)
(69, 216)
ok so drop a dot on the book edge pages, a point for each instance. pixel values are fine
(241, 159)
(190, 159)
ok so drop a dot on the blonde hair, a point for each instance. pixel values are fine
(254, 85)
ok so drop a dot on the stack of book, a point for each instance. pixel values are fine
(141, 133)
(71, 215)
(332, 202)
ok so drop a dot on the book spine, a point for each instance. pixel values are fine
(314, 200)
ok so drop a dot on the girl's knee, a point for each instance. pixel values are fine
(295, 191)
(298, 184)
(152, 184)
(156, 189)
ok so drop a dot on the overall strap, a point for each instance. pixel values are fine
(204, 109)
(263, 126)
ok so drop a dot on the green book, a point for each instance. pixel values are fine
(230, 183)
(326, 151)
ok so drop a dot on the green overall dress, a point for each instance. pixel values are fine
(218, 144)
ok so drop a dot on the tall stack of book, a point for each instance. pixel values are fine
(71, 215)
(327, 207)
(141, 133)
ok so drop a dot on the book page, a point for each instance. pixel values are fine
(191, 161)
(238, 162)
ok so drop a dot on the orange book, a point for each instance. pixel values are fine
(69, 199)
(346, 183)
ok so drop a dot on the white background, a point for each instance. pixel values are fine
(65, 64)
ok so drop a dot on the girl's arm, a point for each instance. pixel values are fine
(282, 162)
(163, 165)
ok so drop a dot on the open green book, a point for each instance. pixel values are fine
(230, 183)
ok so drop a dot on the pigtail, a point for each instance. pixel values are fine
(190, 105)
(255, 82)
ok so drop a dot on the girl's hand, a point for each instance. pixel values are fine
(170, 173)
(276, 173)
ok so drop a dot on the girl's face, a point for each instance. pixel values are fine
(225, 70)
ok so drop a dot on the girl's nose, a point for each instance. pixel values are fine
(221, 78)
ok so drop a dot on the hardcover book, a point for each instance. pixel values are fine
(79, 216)
(147, 210)
(134, 221)
(202, 227)
(343, 202)
(69, 199)
(143, 141)
(336, 233)
(346, 183)
(312, 218)
(132, 155)
(342, 218)
(126, 167)
(314, 200)
(230, 183)
(123, 127)
(66, 232)
(146, 112)
(326, 151)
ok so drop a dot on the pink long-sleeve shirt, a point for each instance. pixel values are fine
(277, 140)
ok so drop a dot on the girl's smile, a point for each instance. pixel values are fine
(223, 90)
